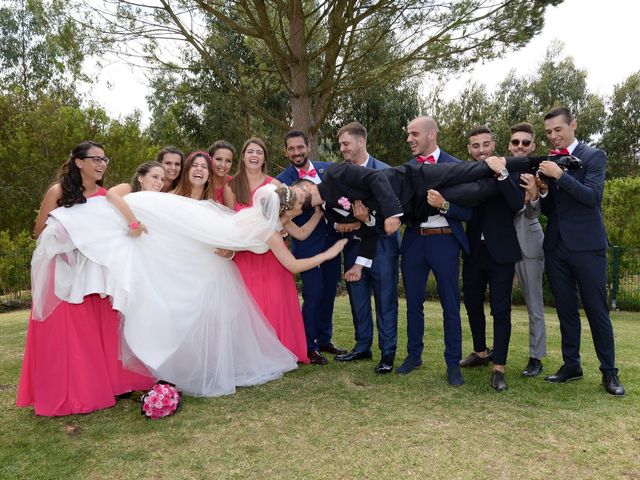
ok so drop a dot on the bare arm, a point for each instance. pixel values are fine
(49, 203)
(114, 196)
(228, 197)
(297, 265)
(303, 232)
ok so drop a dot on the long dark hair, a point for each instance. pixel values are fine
(177, 151)
(141, 171)
(70, 178)
(240, 182)
(184, 187)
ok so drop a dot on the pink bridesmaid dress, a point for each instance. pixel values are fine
(274, 290)
(71, 360)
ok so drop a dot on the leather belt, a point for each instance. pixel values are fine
(436, 231)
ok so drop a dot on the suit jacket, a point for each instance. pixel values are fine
(529, 230)
(316, 241)
(455, 215)
(573, 204)
(355, 182)
(494, 220)
(395, 190)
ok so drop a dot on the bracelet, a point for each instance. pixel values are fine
(134, 225)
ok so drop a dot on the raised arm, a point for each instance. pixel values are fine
(49, 203)
(297, 265)
(114, 196)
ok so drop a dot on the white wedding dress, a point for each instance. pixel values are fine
(187, 314)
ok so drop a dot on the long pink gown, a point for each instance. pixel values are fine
(274, 290)
(71, 359)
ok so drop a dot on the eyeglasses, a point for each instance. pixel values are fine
(525, 143)
(96, 160)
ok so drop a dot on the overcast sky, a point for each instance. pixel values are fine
(603, 37)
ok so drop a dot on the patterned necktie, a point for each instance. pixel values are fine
(562, 151)
(303, 173)
(430, 160)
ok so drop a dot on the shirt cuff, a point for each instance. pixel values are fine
(365, 262)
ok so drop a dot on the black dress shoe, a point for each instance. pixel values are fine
(474, 360)
(332, 349)
(316, 358)
(612, 385)
(533, 368)
(498, 383)
(353, 355)
(454, 376)
(565, 374)
(408, 366)
(385, 366)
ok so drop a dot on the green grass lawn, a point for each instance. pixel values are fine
(344, 421)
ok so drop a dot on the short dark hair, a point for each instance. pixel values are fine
(354, 128)
(296, 133)
(479, 130)
(525, 127)
(554, 112)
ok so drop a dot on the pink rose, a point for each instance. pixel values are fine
(344, 203)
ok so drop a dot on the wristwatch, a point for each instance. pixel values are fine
(504, 174)
(444, 208)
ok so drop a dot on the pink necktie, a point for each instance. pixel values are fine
(430, 160)
(562, 151)
(303, 173)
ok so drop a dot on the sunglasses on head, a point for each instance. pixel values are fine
(525, 143)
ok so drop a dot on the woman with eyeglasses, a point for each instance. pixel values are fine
(188, 317)
(71, 360)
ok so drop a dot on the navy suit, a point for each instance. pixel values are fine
(381, 279)
(319, 284)
(491, 262)
(439, 253)
(575, 247)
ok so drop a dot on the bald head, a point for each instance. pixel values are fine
(422, 135)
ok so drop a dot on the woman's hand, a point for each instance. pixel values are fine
(139, 230)
(335, 249)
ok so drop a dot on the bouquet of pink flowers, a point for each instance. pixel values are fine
(161, 401)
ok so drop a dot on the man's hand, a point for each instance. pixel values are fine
(550, 169)
(434, 198)
(543, 188)
(347, 227)
(360, 211)
(497, 164)
(353, 274)
(528, 183)
(391, 225)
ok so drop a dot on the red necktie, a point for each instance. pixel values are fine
(430, 160)
(303, 173)
(562, 151)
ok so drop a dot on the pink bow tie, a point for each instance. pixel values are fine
(303, 173)
(562, 151)
(430, 160)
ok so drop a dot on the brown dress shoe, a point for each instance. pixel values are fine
(316, 358)
(332, 349)
(474, 360)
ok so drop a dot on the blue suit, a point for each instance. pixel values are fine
(319, 284)
(439, 253)
(575, 247)
(381, 279)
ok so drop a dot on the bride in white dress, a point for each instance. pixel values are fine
(187, 315)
